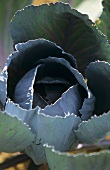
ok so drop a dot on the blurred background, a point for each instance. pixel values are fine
(8, 8)
(91, 7)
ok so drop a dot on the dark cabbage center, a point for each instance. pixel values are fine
(52, 80)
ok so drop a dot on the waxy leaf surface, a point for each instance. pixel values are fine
(94, 130)
(14, 134)
(98, 76)
(69, 29)
(65, 161)
(60, 130)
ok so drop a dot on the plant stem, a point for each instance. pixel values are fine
(13, 161)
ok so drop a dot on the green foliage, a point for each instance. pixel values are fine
(104, 21)
(47, 39)
(94, 130)
(64, 161)
(69, 29)
(15, 135)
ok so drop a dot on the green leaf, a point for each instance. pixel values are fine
(8, 8)
(98, 75)
(69, 29)
(65, 161)
(55, 130)
(103, 22)
(94, 130)
(14, 134)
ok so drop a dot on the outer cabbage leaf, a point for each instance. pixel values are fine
(65, 161)
(94, 130)
(14, 134)
(98, 75)
(71, 30)
(56, 130)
